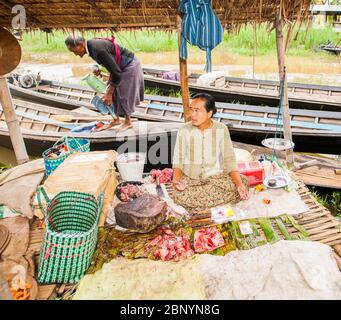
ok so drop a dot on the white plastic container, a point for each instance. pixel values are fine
(130, 165)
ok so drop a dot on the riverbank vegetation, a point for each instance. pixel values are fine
(304, 41)
(330, 199)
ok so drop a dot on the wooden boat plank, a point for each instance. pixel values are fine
(259, 119)
(274, 83)
(177, 101)
(239, 89)
(224, 105)
(44, 119)
(66, 93)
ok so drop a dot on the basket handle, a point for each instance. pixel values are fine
(100, 202)
(42, 191)
(62, 139)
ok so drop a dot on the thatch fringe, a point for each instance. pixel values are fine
(137, 14)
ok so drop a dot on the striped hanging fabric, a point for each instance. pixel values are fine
(200, 27)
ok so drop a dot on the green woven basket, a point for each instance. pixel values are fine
(74, 145)
(71, 220)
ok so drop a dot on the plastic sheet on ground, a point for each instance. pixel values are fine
(281, 202)
(19, 184)
(285, 270)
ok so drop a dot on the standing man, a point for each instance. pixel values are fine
(125, 87)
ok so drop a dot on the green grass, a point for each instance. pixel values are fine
(307, 40)
(161, 41)
(139, 41)
(330, 200)
(158, 92)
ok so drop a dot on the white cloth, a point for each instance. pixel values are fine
(285, 270)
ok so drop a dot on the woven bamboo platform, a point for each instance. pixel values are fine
(318, 221)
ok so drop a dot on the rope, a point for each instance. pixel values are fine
(277, 120)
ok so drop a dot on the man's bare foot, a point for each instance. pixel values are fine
(125, 126)
(115, 122)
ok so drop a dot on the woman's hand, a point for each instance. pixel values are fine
(243, 192)
(180, 185)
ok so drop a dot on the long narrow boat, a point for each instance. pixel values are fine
(40, 131)
(313, 131)
(258, 92)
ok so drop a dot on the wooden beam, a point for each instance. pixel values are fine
(12, 123)
(283, 77)
(183, 79)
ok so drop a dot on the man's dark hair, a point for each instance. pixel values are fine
(209, 102)
(72, 42)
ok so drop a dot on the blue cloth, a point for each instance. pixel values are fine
(200, 27)
(86, 127)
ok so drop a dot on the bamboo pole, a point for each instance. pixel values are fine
(12, 122)
(254, 49)
(183, 79)
(282, 76)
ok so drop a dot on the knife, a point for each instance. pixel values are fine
(159, 190)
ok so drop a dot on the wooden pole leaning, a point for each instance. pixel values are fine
(12, 122)
(183, 79)
(282, 76)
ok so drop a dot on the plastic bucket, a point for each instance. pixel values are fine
(130, 165)
(95, 83)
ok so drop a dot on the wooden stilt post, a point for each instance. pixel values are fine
(183, 79)
(282, 76)
(12, 123)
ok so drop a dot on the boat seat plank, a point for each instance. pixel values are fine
(66, 93)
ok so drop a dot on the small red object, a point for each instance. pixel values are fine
(266, 201)
(253, 171)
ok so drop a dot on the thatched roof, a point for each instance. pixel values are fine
(122, 14)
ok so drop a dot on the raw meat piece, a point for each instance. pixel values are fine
(172, 247)
(130, 191)
(164, 175)
(208, 240)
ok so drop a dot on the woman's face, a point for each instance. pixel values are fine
(198, 112)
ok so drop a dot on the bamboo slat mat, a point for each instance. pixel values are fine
(318, 221)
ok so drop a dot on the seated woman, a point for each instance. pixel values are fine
(205, 171)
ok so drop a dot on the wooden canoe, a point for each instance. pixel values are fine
(41, 131)
(257, 92)
(313, 130)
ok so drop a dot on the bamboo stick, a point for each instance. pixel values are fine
(283, 77)
(12, 122)
(183, 79)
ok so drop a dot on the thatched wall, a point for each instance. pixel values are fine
(122, 14)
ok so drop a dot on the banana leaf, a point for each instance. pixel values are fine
(299, 228)
(270, 233)
(283, 229)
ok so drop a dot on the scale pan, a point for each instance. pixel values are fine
(278, 144)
